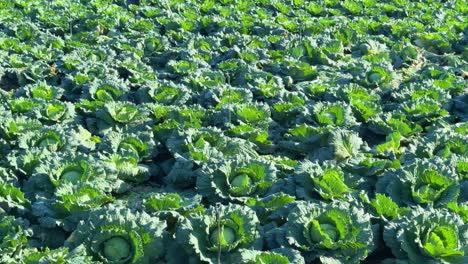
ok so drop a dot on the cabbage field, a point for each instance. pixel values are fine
(233, 131)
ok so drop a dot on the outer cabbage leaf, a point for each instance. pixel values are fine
(382, 206)
(169, 206)
(12, 128)
(117, 114)
(365, 103)
(258, 136)
(70, 204)
(245, 113)
(304, 138)
(208, 143)
(225, 95)
(165, 93)
(55, 256)
(141, 145)
(105, 90)
(272, 208)
(443, 142)
(40, 90)
(127, 166)
(290, 107)
(274, 256)
(14, 233)
(316, 181)
(341, 146)
(424, 111)
(171, 118)
(393, 122)
(12, 198)
(180, 172)
(58, 137)
(345, 144)
(333, 114)
(369, 166)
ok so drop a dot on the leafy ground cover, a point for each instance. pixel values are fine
(233, 131)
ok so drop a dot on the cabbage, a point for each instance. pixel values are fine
(428, 235)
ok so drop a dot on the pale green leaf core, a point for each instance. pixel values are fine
(47, 142)
(442, 242)
(71, 176)
(116, 248)
(241, 181)
(320, 232)
(227, 236)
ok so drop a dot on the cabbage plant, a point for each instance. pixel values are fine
(236, 180)
(277, 256)
(427, 182)
(428, 235)
(336, 232)
(221, 232)
(115, 234)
